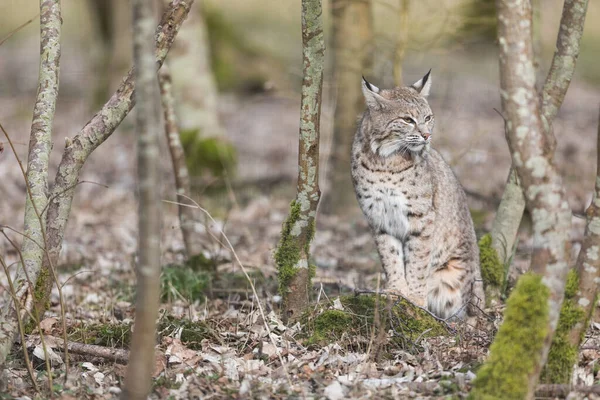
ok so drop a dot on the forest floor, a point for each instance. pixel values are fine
(228, 341)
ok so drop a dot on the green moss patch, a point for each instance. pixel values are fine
(210, 156)
(108, 335)
(355, 323)
(492, 269)
(563, 356)
(517, 346)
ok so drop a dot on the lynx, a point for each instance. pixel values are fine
(414, 204)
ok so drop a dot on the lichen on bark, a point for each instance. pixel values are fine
(516, 350)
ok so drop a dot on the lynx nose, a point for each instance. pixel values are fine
(426, 135)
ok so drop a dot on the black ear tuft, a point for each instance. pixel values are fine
(426, 77)
(369, 86)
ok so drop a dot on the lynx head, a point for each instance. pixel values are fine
(400, 119)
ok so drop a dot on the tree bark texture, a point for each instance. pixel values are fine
(77, 149)
(588, 262)
(508, 217)
(308, 193)
(563, 64)
(544, 193)
(193, 81)
(352, 40)
(147, 124)
(40, 146)
(187, 215)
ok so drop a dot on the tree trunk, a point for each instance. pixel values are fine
(551, 216)
(193, 80)
(352, 41)
(580, 297)
(93, 134)
(188, 216)
(588, 262)
(508, 218)
(292, 255)
(40, 146)
(147, 96)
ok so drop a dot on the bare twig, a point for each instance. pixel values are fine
(17, 29)
(187, 215)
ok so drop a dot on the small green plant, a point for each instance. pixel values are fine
(183, 282)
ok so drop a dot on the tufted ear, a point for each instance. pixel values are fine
(423, 85)
(372, 97)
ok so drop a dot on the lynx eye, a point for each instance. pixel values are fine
(428, 118)
(408, 120)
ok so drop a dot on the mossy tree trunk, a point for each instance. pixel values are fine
(36, 199)
(292, 254)
(188, 216)
(580, 296)
(352, 56)
(77, 150)
(147, 127)
(508, 217)
(545, 199)
(588, 262)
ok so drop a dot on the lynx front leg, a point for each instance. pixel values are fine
(416, 260)
(392, 258)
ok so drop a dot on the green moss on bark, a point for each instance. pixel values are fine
(492, 269)
(563, 355)
(517, 346)
(288, 250)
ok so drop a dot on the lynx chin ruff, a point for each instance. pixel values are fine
(415, 206)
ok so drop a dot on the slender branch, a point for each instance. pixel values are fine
(147, 127)
(17, 29)
(187, 215)
(563, 64)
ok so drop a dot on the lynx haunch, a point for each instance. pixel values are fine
(415, 205)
